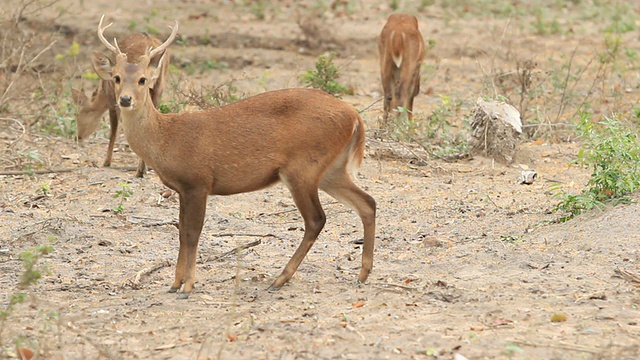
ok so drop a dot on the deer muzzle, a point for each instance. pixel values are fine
(125, 101)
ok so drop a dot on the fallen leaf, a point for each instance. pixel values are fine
(232, 337)
(358, 304)
(559, 317)
(24, 353)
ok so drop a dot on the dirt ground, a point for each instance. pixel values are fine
(468, 262)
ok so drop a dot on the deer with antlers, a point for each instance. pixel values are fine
(305, 138)
(91, 110)
(401, 50)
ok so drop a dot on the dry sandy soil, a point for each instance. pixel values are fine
(467, 263)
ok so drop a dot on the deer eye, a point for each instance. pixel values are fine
(142, 81)
(116, 79)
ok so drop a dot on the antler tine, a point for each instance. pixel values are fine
(106, 43)
(115, 43)
(159, 49)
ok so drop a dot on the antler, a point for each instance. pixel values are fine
(106, 43)
(159, 49)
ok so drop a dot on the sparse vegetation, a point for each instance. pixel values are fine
(612, 151)
(325, 76)
(30, 276)
(435, 132)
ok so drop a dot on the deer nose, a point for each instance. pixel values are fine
(125, 101)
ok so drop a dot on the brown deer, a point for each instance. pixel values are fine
(401, 50)
(90, 110)
(305, 138)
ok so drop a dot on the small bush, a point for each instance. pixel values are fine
(611, 150)
(325, 76)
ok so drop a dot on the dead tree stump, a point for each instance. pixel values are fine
(495, 131)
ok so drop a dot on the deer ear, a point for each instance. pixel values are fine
(102, 65)
(157, 69)
(78, 97)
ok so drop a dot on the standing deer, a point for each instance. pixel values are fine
(305, 138)
(401, 50)
(90, 110)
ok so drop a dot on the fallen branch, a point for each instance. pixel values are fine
(571, 347)
(162, 223)
(134, 280)
(234, 251)
(42, 171)
(631, 277)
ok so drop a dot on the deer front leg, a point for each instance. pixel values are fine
(113, 120)
(193, 205)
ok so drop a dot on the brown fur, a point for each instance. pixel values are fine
(401, 50)
(90, 110)
(305, 138)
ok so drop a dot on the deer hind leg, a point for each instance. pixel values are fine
(339, 185)
(193, 206)
(306, 198)
(141, 169)
(113, 120)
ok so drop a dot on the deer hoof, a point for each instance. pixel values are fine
(183, 296)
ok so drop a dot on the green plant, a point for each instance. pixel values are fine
(44, 190)
(30, 276)
(542, 26)
(122, 194)
(152, 30)
(325, 76)
(30, 258)
(611, 149)
(258, 9)
(434, 133)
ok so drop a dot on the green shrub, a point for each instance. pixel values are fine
(325, 76)
(611, 150)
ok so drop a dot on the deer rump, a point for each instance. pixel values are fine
(401, 48)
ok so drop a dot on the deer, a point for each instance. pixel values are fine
(304, 138)
(91, 110)
(401, 49)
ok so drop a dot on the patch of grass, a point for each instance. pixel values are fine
(434, 133)
(622, 19)
(612, 151)
(203, 97)
(545, 26)
(325, 76)
(200, 67)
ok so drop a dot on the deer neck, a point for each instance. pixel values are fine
(141, 129)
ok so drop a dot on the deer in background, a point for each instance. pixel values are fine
(90, 110)
(305, 138)
(401, 50)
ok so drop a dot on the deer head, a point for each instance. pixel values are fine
(132, 81)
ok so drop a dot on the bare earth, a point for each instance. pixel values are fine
(467, 260)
